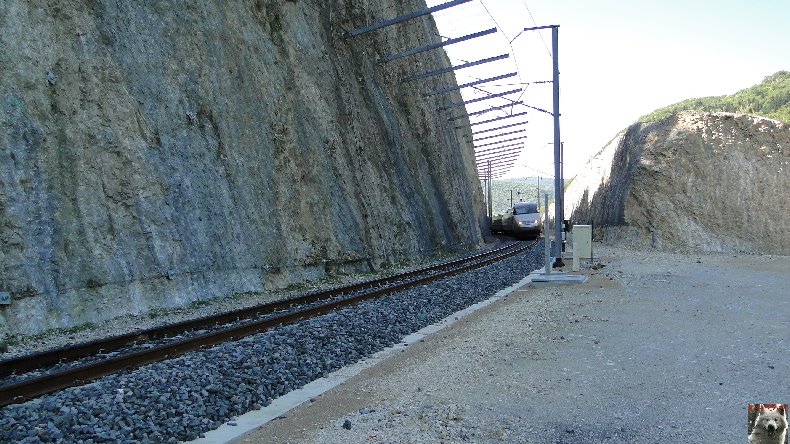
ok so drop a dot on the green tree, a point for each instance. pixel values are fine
(771, 99)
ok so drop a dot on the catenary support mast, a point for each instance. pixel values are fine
(558, 186)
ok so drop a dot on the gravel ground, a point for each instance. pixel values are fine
(181, 398)
(655, 348)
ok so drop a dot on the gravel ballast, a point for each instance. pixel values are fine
(654, 348)
(184, 397)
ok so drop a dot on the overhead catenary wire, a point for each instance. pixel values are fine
(509, 42)
(468, 15)
(548, 51)
(542, 174)
(473, 15)
(476, 13)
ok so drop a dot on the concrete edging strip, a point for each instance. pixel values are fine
(227, 433)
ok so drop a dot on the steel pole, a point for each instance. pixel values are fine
(546, 241)
(490, 204)
(485, 191)
(558, 191)
(562, 181)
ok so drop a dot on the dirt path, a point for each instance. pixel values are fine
(654, 348)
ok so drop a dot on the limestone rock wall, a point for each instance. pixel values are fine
(709, 182)
(156, 153)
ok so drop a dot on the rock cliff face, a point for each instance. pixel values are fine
(157, 153)
(710, 182)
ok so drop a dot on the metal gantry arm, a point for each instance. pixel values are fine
(501, 135)
(453, 68)
(499, 164)
(500, 161)
(491, 155)
(500, 127)
(493, 108)
(503, 157)
(404, 17)
(499, 170)
(494, 175)
(465, 85)
(479, 99)
(500, 149)
(414, 51)
(501, 141)
(509, 116)
(520, 144)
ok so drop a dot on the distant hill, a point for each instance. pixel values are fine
(771, 99)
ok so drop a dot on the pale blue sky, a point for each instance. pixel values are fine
(619, 59)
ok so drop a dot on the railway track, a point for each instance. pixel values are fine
(30, 376)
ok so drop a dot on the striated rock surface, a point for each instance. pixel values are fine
(707, 182)
(158, 153)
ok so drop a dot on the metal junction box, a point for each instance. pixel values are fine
(582, 239)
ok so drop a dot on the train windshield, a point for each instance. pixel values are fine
(526, 208)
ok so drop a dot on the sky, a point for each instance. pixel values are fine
(618, 60)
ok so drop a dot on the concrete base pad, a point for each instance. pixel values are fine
(559, 278)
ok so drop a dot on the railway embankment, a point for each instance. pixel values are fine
(656, 347)
(156, 155)
(694, 181)
(185, 397)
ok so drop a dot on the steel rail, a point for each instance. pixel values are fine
(26, 389)
(48, 358)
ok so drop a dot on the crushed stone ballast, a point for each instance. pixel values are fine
(181, 398)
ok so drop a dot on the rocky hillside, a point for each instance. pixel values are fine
(694, 181)
(158, 153)
(770, 98)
